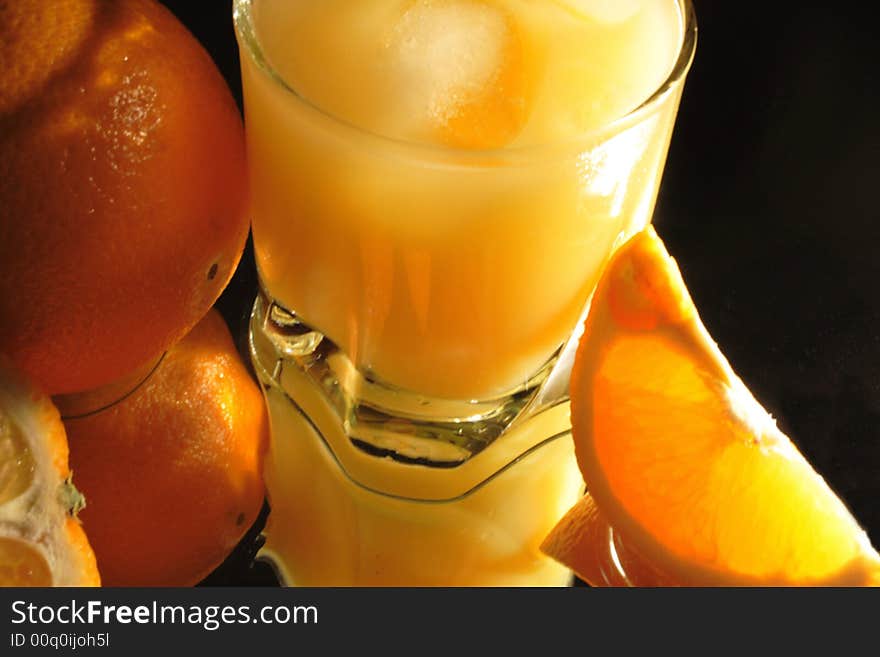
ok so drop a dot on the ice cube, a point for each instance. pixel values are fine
(603, 11)
(451, 59)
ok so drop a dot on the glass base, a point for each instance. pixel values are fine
(438, 432)
(370, 485)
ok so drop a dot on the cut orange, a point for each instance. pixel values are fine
(41, 541)
(688, 469)
(585, 542)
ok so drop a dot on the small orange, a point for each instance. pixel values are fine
(41, 541)
(698, 484)
(173, 472)
(122, 187)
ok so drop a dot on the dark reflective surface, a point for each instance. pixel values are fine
(768, 204)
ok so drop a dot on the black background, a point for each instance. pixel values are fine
(769, 205)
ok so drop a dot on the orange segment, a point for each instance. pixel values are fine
(685, 465)
(22, 565)
(16, 462)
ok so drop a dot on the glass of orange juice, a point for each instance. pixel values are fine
(436, 186)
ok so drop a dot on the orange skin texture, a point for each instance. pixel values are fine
(79, 542)
(172, 474)
(122, 187)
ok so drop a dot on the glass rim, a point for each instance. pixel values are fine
(246, 33)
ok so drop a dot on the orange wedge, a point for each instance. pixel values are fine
(692, 475)
(41, 541)
(585, 542)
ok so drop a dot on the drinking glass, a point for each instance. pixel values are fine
(415, 328)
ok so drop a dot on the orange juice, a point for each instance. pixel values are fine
(447, 225)
(436, 185)
(479, 524)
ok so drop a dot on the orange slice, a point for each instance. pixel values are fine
(688, 469)
(41, 541)
(585, 542)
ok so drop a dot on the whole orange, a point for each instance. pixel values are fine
(172, 474)
(122, 187)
